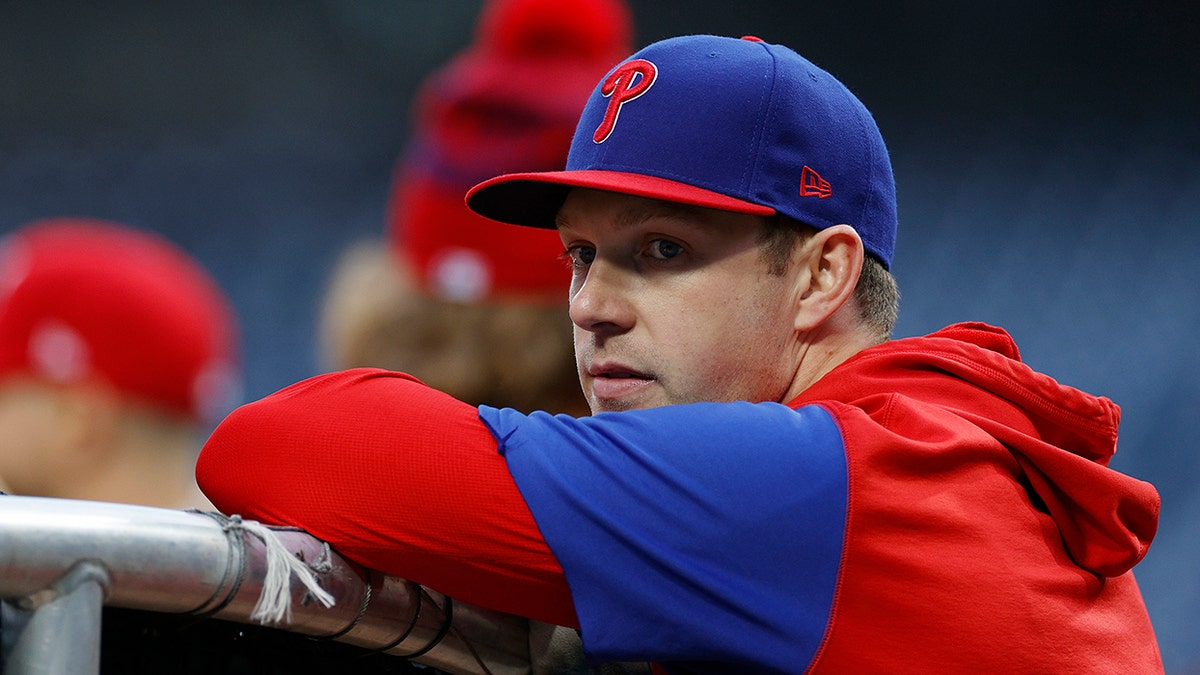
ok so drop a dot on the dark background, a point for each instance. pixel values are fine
(1047, 157)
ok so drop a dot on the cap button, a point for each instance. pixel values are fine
(752, 38)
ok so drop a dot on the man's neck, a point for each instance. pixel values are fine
(824, 349)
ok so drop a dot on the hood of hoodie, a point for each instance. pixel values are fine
(1062, 438)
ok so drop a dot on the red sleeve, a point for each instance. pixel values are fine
(396, 476)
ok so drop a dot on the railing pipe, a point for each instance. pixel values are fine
(188, 562)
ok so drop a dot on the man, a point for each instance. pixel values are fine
(117, 353)
(781, 488)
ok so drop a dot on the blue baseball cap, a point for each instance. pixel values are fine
(730, 124)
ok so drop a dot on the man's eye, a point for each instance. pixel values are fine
(581, 255)
(664, 249)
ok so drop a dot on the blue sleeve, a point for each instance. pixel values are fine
(704, 532)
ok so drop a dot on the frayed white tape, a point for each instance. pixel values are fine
(275, 602)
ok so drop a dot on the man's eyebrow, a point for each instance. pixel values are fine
(639, 213)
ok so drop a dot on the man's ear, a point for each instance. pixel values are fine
(832, 261)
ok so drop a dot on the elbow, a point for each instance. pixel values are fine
(226, 466)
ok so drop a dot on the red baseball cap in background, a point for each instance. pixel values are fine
(508, 102)
(87, 300)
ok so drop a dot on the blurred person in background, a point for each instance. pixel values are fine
(118, 351)
(471, 309)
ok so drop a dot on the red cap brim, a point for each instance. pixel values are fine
(533, 199)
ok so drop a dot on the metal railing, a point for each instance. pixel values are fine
(62, 561)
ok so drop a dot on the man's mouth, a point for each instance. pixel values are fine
(617, 387)
(618, 372)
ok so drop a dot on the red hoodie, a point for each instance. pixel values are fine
(932, 505)
(937, 431)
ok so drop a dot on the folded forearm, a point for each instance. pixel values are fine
(396, 476)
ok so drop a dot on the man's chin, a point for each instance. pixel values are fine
(640, 401)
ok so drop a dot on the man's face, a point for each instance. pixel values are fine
(675, 304)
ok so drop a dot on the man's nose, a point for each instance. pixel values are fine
(600, 304)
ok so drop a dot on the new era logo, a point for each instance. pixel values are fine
(812, 185)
